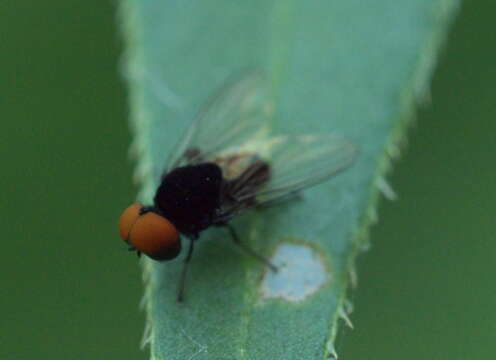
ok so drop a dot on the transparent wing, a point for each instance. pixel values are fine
(236, 113)
(295, 163)
(231, 130)
(304, 161)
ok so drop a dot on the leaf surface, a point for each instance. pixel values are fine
(334, 67)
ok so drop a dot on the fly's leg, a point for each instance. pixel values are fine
(182, 283)
(247, 249)
(132, 248)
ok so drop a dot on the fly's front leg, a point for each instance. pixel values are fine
(182, 283)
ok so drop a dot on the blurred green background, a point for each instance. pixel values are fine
(71, 291)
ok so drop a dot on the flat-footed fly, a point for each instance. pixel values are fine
(227, 164)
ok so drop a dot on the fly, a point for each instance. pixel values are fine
(225, 165)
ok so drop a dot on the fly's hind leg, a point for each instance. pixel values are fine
(247, 249)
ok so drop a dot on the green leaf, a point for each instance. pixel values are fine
(341, 67)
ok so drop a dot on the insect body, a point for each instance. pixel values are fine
(226, 165)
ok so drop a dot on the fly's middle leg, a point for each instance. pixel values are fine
(248, 249)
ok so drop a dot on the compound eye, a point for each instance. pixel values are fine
(127, 220)
(149, 233)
